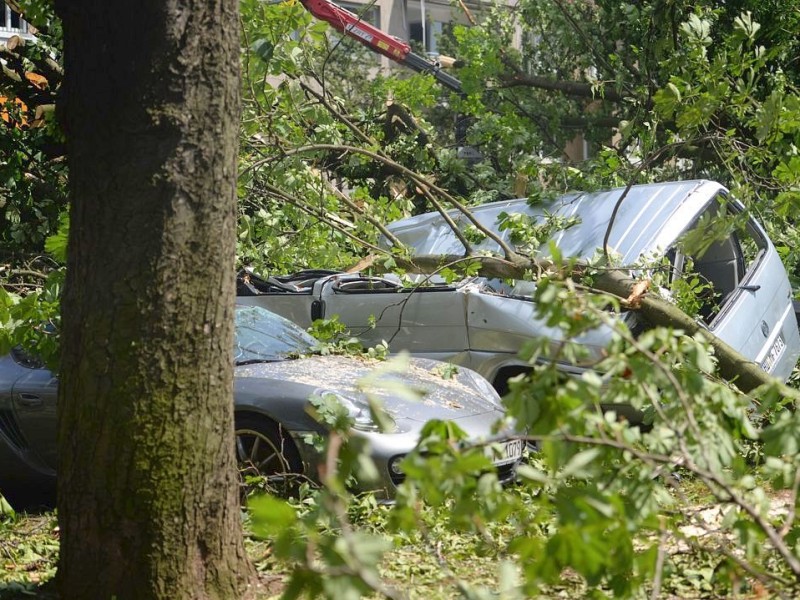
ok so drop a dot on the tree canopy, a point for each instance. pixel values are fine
(659, 90)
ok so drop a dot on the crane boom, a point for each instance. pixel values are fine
(376, 40)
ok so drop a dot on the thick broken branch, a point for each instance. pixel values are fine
(398, 118)
(570, 88)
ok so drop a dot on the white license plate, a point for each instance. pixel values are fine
(774, 354)
(505, 452)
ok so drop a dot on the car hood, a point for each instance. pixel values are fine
(458, 396)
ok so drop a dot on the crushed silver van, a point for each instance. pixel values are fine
(482, 323)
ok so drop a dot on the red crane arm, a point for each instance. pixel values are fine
(346, 22)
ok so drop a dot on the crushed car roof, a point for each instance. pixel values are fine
(649, 219)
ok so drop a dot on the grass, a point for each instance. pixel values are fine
(440, 564)
(28, 551)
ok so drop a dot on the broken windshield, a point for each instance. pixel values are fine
(263, 336)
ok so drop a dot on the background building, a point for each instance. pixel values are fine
(12, 24)
(420, 21)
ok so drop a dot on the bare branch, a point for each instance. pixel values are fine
(420, 180)
(599, 57)
(659, 569)
(323, 99)
(447, 219)
(369, 218)
(320, 215)
(644, 164)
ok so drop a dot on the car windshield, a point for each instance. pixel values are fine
(263, 336)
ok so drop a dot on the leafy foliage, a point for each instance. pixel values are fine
(595, 482)
(689, 99)
(662, 89)
(32, 166)
(31, 322)
(32, 194)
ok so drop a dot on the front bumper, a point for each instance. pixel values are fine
(388, 449)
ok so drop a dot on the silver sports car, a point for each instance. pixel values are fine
(277, 371)
(482, 323)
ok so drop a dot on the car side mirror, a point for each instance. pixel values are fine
(317, 310)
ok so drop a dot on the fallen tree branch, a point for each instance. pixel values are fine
(732, 366)
(601, 91)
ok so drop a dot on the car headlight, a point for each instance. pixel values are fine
(483, 387)
(359, 411)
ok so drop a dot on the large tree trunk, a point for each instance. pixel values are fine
(148, 502)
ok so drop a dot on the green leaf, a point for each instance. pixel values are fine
(56, 244)
(783, 436)
(264, 49)
(270, 515)
(577, 465)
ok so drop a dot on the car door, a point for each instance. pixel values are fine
(428, 321)
(33, 397)
(753, 310)
(758, 317)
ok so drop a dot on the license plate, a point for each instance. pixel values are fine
(774, 354)
(506, 452)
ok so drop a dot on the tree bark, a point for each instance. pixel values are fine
(579, 89)
(148, 501)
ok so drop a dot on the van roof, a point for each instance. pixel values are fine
(649, 220)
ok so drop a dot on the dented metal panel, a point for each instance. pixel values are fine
(506, 324)
(426, 320)
(484, 324)
(649, 219)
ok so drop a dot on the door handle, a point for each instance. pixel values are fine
(29, 400)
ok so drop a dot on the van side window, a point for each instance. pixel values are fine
(715, 254)
(751, 244)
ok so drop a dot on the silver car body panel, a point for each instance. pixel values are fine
(483, 323)
(650, 219)
(466, 324)
(279, 388)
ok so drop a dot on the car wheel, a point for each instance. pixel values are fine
(267, 457)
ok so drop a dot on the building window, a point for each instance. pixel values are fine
(371, 15)
(11, 20)
(431, 35)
